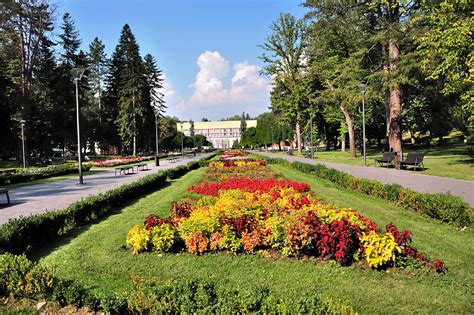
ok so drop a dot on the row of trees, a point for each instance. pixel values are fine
(119, 96)
(416, 58)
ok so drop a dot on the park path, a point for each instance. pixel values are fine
(59, 194)
(409, 179)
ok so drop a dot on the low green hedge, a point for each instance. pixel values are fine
(42, 173)
(444, 207)
(25, 233)
(150, 296)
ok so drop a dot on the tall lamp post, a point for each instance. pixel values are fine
(271, 142)
(182, 141)
(157, 132)
(311, 133)
(362, 88)
(77, 74)
(22, 123)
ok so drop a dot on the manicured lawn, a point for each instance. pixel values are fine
(95, 257)
(446, 161)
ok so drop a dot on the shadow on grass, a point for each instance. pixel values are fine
(52, 245)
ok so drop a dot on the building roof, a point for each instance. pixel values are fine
(216, 124)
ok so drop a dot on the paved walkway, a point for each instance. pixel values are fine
(59, 194)
(408, 179)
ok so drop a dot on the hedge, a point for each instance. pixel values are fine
(189, 296)
(25, 233)
(48, 172)
(443, 207)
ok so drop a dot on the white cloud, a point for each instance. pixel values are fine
(214, 99)
(247, 84)
(171, 97)
(209, 88)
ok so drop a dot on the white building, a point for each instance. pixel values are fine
(222, 134)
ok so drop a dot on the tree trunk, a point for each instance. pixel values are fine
(298, 137)
(395, 132)
(350, 128)
(343, 144)
(412, 137)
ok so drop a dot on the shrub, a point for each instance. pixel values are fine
(380, 250)
(21, 278)
(205, 296)
(24, 233)
(163, 237)
(444, 207)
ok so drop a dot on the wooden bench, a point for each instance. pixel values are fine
(173, 160)
(5, 191)
(307, 154)
(124, 169)
(142, 167)
(414, 159)
(387, 158)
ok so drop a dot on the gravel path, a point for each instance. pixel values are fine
(408, 179)
(59, 194)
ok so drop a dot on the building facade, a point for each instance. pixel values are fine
(222, 134)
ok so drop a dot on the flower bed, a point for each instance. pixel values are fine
(119, 161)
(19, 175)
(246, 208)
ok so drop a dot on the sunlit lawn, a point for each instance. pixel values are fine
(95, 258)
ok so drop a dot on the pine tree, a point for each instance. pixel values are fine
(24, 27)
(154, 97)
(131, 86)
(97, 69)
(69, 42)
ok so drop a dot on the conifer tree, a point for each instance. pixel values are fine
(132, 82)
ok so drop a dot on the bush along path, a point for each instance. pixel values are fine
(26, 233)
(414, 181)
(443, 207)
(242, 206)
(60, 194)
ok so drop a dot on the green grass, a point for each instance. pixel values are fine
(51, 179)
(451, 161)
(95, 258)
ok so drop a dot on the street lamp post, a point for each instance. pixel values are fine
(182, 141)
(311, 133)
(157, 132)
(272, 138)
(22, 123)
(362, 88)
(77, 75)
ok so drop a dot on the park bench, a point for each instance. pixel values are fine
(307, 154)
(142, 167)
(289, 152)
(5, 191)
(174, 160)
(387, 158)
(414, 159)
(124, 170)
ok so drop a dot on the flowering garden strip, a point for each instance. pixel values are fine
(94, 258)
(250, 215)
(119, 161)
(17, 176)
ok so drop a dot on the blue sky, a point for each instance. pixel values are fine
(221, 35)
